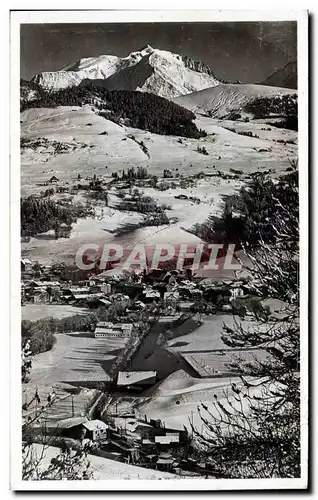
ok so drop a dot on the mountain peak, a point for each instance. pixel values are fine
(153, 70)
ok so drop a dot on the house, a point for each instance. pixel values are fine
(75, 293)
(40, 295)
(80, 428)
(168, 439)
(236, 292)
(166, 462)
(185, 306)
(105, 329)
(96, 430)
(106, 288)
(150, 295)
(171, 298)
(26, 265)
(136, 379)
(53, 180)
(169, 319)
(95, 301)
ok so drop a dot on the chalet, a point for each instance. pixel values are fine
(80, 428)
(75, 293)
(96, 430)
(40, 296)
(150, 295)
(171, 298)
(53, 180)
(236, 292)
(166, 462)
(26, 265)
(168, 439)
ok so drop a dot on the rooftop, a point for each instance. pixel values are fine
(130, 378)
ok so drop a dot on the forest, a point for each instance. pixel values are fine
(285, 106)
(39, 216)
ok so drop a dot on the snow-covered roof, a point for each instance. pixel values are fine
(93, 425)
(130, 378)
(67, 423)
(173, 438)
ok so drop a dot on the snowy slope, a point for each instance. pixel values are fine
(149, 70)
(115, 151)
(102, 468)
(284, 77)
(220, 100)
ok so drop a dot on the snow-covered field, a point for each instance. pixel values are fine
(104, 154)
(33, 312)
(102, 468)
(175, 400)
(76, 357)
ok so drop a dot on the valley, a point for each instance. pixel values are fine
(105, 161)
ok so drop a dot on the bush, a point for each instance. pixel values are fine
(202, 150)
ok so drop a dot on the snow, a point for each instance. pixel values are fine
(76, 357)
(176, 399)
(222, 99)
(33, 312)
(148, 70)
(103, 468)
(116, 151)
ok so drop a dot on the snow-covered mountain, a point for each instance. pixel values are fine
(285, 77)
(148, 70)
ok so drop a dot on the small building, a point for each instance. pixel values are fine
(40, 296)
(150, 295)
(171, 298)
(166, 462)
(106, 288)
(26, 265)
(53, 180)
(185, 306)
(168, 439)
(138, 379)
(80, 428)
(106, 329)
(236, 292)
(97, 430)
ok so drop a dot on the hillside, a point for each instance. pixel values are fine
(148, 70)
(136, 109)
(221, 100)
(285, 77)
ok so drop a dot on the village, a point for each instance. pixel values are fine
(140, 326)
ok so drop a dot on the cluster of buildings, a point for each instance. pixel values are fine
(177, 290)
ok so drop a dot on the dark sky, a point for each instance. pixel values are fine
(248, 52)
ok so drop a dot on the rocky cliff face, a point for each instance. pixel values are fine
(198, 66)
